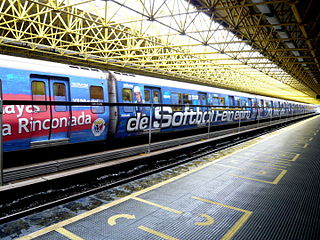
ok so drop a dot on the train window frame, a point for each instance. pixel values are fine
(215, 101)
(42, 108)
(156, 97)
(187, 99)
(180, 101)
(127, 109)
(59, 108)
(97, 109)
(147, 94)
(222, 101)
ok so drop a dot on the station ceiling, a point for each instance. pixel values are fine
(262, 47)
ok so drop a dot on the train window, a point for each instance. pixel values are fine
(237, 103)
(39, 94)
(59, 94)
(267, 104)
(127, 98)
(231, 101)
(176, 98)
(147, 95)
(96, 95)
(262, 104)
(127, 95)
(216, 101)
(155, 96)
(187, 99)
(222, 101)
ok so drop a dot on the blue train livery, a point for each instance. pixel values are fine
(34, 126)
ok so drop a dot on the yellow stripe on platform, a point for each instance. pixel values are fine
(156, 233)
(68, 234)
(157, 205)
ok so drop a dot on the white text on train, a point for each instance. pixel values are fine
(168, 118)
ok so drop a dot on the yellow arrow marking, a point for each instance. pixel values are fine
(209, 221)
(112, 220)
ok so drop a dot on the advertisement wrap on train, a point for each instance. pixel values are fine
(174, 106)
(167, 118)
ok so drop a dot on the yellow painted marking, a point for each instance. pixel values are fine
(154, 232)
(275, 164)
(262, 172)
(112, 220)
(310, 139)
(118, 201)
(232, 231)
(275, 181)
(209, 220)
(280, 176)
(256, 165)
(306, 145)
(157, 205)
(68, 234)
(295, 157)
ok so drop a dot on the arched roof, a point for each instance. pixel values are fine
(262, 47)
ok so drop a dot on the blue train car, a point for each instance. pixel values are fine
(30, 126)
(228, 107)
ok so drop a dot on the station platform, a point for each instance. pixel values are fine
(269, 188)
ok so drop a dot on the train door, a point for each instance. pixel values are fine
(152, 95)
(50, 122)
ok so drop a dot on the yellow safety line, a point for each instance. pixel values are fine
(118, 201)
(159, 234)
(68, 234)
(285, 164)
(157, 205)
(256, 165)
(275, 181)
(232, 231)
(280, 176)
(295, 157)
(238, 224)
(220, 204)
(306, 145)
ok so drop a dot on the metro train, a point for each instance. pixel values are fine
(34, 126)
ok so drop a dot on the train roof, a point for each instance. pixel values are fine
(127, 77)
(49, 67)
